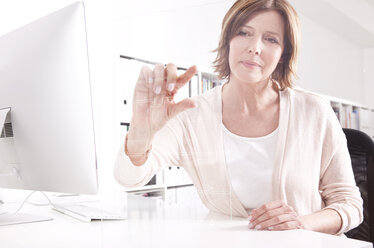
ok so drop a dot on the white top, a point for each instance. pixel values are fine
(250, 165)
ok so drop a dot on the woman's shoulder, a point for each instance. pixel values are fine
(301, 97)
(311, 105)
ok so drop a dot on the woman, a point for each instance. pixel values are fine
(253, 147)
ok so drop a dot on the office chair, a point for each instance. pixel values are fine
(361, 150)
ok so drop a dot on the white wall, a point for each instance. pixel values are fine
(182, 32)
(369, 76)
(330, 64)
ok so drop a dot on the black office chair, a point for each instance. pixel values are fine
(361, 149)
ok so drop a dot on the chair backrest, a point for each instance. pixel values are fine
(361, 150)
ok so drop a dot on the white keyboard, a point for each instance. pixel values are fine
(87, 213)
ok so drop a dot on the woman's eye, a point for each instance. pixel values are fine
(272, 40)
(243, 33)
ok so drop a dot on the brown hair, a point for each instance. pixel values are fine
(238, 15)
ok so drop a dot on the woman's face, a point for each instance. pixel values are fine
(257, 48)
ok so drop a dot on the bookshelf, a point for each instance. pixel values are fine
(353, 115)
(208, 81)
(350, 114)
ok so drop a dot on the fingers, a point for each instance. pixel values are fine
(263, 215)
(142, 93)
(281, 220)
(150, 85)
(146, 76)
(274, 216)
(166, 82)
(265, 208)
(284, 226)
(162, 84)
(159, 78)
(181, 106)
(185, 77)
(171, 77)
(161, 75)
(166, 79)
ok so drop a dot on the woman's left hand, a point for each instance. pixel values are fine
(275, 216)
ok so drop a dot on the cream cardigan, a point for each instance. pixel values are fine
(312, 171)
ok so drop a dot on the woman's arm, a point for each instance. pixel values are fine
(326, 221)
(337, 184)
(165, 152)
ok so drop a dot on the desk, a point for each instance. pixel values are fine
(179, 221)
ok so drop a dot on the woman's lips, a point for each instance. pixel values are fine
(250, 64)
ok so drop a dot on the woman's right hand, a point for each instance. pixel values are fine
(153, 105)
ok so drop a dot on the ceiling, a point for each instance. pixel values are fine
(371, 3)
(352, 19)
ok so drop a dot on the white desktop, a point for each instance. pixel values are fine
(179, 221)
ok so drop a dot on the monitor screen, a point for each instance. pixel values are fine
(47, 140)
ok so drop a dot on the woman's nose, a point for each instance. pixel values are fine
(255, 47)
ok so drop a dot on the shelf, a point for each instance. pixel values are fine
(179, 185)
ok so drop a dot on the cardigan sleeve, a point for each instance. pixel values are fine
(337, 184)
(165, 152)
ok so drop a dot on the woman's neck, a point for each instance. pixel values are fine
(247, 99)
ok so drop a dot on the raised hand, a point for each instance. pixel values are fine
(153, 105)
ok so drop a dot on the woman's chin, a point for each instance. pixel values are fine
(251, 80)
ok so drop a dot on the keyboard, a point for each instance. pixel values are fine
(87, 213)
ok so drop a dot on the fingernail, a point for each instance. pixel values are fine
(250, 225)
(258, 227)
(171, 87)
(150, 80)
(158, 90)
(270, 228)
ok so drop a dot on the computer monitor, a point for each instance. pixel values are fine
(47, 142)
